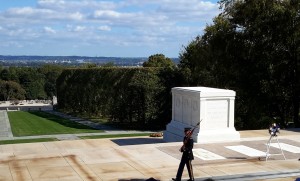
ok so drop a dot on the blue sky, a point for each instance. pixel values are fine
(116, 28)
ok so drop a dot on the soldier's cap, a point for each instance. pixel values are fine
(187, 129)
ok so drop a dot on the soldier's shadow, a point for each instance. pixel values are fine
(137, 141)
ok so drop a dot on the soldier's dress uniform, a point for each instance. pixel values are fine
(187, 157)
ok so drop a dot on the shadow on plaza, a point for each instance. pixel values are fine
(137, 141)
(293, 129)
(153, 179)
(135, 179)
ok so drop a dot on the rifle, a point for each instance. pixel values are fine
(189, 135)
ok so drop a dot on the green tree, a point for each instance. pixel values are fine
(13, 74)
(10, 90)
(253, 48)
(88, 65)
(51, 73)
(129, 97)
(33, 82)
(108, 64)
(270, 31)
(159, 60)
(4, 75)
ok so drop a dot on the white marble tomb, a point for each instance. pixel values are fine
(215, 107)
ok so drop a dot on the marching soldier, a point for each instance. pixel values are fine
(187, 156)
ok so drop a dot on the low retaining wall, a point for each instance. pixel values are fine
(28, 108)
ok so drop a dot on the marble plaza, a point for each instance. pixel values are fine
(141, 158)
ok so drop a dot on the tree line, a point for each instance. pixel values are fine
(28, 83)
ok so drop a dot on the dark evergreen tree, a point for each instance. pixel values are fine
(251, 47)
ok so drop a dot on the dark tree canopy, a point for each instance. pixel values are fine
(37, 82)
(159, 60)
(251, 47)
(10, 90)
(131, 97)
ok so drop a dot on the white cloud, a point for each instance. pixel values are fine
(76, 16)
(79, 28)
(33, 15)
(107, 14)
(104, 28)
(27, 12)
(51, 4)
(73, 5)
(76, 28)
(144, 23)
(49, 30)
(192, 10)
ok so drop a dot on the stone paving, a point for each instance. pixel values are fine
(5, 130)
(141, 158)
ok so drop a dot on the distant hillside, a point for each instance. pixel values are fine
(10, 60)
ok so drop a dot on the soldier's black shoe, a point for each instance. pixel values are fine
(190, 180)
(175, 179)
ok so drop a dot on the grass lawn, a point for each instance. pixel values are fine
(42, 123)
(3, 142)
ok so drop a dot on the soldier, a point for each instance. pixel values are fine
(187, 156)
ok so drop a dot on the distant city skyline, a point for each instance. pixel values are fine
(116, 28)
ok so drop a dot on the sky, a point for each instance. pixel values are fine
(115, 28)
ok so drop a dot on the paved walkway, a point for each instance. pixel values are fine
(5, 130)
(140, 158)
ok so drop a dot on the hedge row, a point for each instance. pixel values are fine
(135, 97)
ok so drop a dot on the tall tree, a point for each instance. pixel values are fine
(159, 60)
(10, 90)
(270, 30)
(33, 83)
(252, 47)
(4, 75)
(51, 73)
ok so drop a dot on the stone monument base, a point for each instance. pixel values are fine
(175, 133)
(226, 134)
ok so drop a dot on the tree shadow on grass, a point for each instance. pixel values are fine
(60, 120)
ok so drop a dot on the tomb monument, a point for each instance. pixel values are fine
(213, 107)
